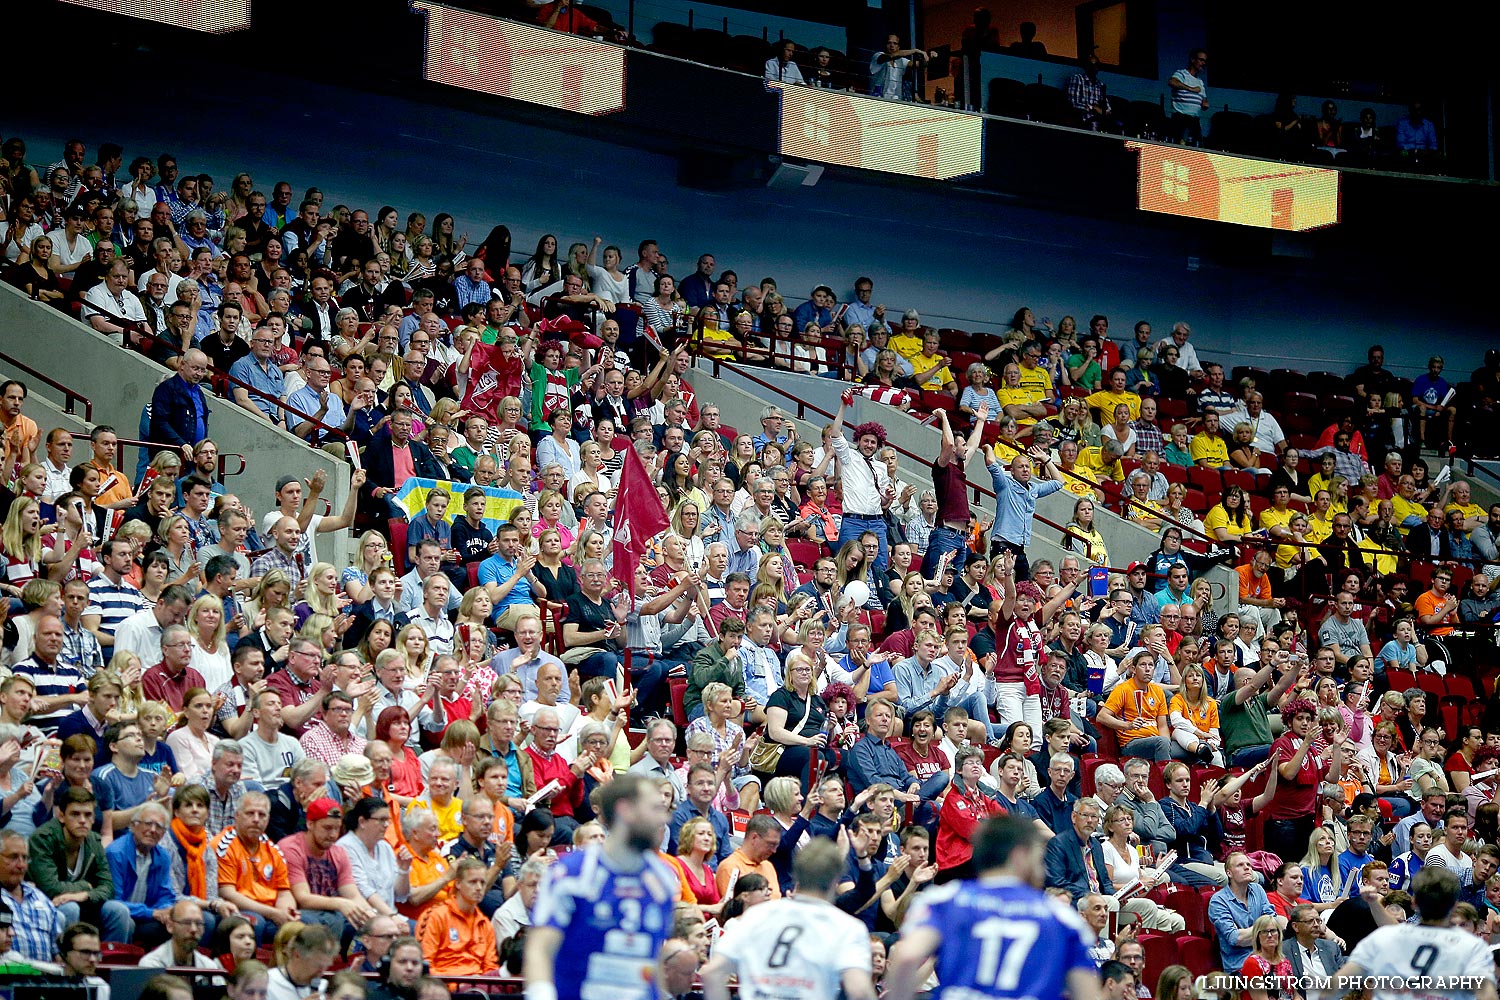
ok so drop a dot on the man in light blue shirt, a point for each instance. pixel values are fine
(920, 681)
(1234, 908)
(759, 661)
(258, 370)
(1176, 589)
(315, 400)
(1016, 494)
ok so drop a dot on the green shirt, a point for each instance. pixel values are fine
(709, 665)
(1244, 725)
(464, 457)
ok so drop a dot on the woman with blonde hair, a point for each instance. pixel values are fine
(176, 540)
(1095, 643)
(127, 666)
(589, 545)
(1176, 983)
(460, 745)
(474, 610)
(416, 653)
(321, 595)
(205, 623)
(373, 552)
(549, 508)
(773, 543)
(1194, 717)
(273, 591)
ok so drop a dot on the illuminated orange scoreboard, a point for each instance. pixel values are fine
(1198, 184)
(491, 55)
(214, 16)
(896, 137)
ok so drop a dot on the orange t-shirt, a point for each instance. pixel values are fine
(456, 943)
(1428, 604)
(260, 874)
(1251, 587)
(738, 862)
(1139, 708)
(685, 893)
(424, 870)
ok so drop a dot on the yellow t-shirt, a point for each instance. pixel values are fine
(1219, 518)
(937, 379)
(1319, 530)
(1105, 401)
(1383, 564)
(1210, 447)
(1273, 518)
(1140, 708)
(1468, 510)
(1134, 513)
(1019, 396)
(1092, 459)
(907, 347)
(1037, 381)
(1405, 508)
(1083, 486)
(1317, 481)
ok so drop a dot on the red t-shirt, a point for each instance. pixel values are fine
(923, 767)
(1019, 652)
(1457, 765)
(1298, 796)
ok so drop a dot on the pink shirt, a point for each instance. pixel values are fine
(324, 876)
(402, 465)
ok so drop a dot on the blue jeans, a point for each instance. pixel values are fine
(853, 526)
(115, 921)
(1250, 756)
(945, 539)
(975, 705)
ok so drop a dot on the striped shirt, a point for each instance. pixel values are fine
(112, 602)
(81, 650)
(37, 922)
(51, 681)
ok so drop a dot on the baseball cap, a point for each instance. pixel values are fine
(1133, 567)
(322, 809)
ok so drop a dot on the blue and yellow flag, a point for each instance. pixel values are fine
(499, 504)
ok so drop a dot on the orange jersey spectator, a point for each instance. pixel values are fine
(457, 938)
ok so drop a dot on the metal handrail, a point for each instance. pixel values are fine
(163, 446)
(69, 395)
(803, 406)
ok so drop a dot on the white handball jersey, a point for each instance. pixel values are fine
(1414, 962)
(794, 949)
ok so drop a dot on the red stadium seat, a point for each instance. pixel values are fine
(1433, 685)
(119, 953)
(1197, 953)
(1400, 680)
(1460, 687)
(1109, 746)
(1174, 473)
(1193, 909)
(395, 533)
(678, 688)
(1207, 480)
(1088, 764)
(1203, 774)
(1161, 951)
(1245, 480)
(1155, 782)
(1196, 501)
(803, 553)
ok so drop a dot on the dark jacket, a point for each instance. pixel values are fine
(380, 465)
(49, 865)
(173, 417)
(1326, 950)
(1064, 860)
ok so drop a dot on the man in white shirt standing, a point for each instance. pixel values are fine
(866, 485)
(1189, 99)
(828, 948)
(888, 68)
(1449, 853)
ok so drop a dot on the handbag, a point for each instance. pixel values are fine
(767, 754)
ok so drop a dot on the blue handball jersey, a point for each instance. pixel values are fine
(613, 924)
(1001, 938)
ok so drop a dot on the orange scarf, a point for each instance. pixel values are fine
(194, 844)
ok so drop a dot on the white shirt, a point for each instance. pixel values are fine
(280, 987)
(862, 480)
(510, 918)
(885, 77)
(1312, 962)
(57, 479)
(173, 280)
(162, 958)
(1187, 354)
(1267, 430)
(66, 255)
(794, 949)
(1461, 866)
(776, 73)
(13, 251)
(98, 300)
(141, 635)
(1396, 952)
(1188, 102)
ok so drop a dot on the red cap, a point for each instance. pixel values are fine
(322, 809)
(1133, 567)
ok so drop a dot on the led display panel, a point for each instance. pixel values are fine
(1198, 184)
(214, 16)
(916, 140)
(491, 55)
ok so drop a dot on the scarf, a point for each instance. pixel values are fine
(194, 844)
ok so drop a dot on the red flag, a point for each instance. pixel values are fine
(639, 517)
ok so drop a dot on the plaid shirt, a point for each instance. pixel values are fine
(321, 743)
(274, 558)
(220, 810)
(81, 650)
(918, 531)
(1084, 93)
(1148, 437)
(37, 923)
